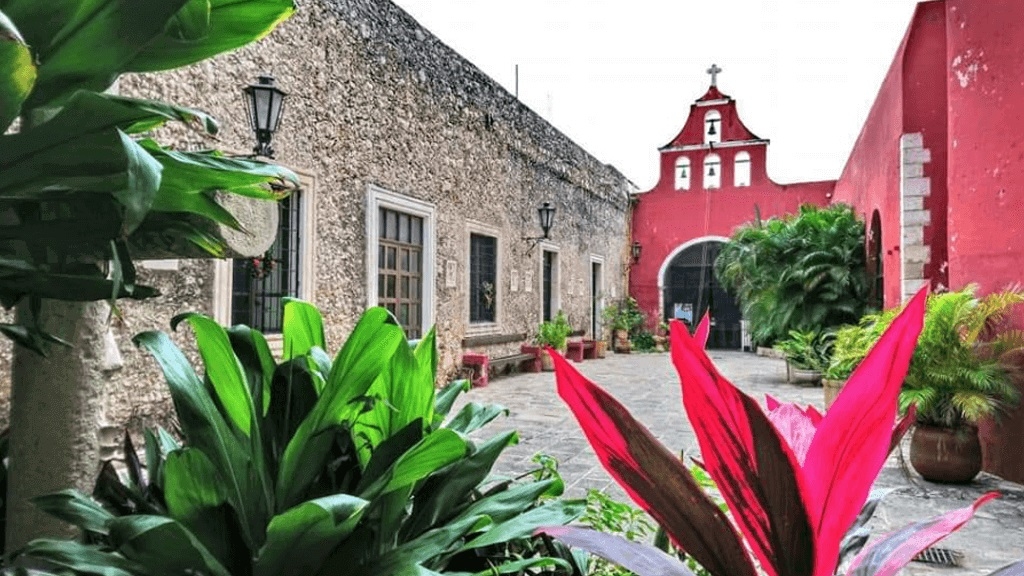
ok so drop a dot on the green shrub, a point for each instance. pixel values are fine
(308, 466)
(801, 272)
(625, 315)
(554, 333)
(643, 341)
(611, 516)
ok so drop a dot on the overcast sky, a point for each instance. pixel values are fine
(618, 76)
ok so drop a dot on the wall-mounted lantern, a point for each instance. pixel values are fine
(546, 214)
(264, 103)
(635, 250)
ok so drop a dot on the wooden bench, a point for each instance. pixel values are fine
(484, 367)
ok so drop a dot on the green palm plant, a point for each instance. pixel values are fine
(957, 375)
(801, 272)
(310, 466)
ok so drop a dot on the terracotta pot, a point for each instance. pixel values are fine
(832, 389)
(600, 348)
(946, 455)
(546, 363)
(802, 377)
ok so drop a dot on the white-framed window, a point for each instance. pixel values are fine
(682, 173)
(712, 127)
(550, 282)
(712, 171)
(250, 290)
(597, 298)
(400, 257)
(741, 171)
(485, 296)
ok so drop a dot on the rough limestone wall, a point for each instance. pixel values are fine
(375, 99)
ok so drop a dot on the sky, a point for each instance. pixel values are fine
(619, 76)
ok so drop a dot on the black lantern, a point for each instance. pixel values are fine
(264, 102)
(547, 217)
(635, 251)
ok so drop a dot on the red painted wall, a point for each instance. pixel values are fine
(665, 218)
(911, 99)
(985, 53)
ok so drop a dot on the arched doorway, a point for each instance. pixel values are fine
(690, 289)
(875, 264)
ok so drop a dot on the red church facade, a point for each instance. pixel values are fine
(938, 168)
(937, 173)
(713, 178)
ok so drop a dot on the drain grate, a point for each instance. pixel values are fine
(940, 557)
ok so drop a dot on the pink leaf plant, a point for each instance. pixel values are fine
(794, 480)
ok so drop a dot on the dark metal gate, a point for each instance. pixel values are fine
(691, 289)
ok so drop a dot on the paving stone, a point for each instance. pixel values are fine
(647, 384)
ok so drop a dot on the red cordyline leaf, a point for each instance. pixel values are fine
(703, 331)
(652, 476)
(756, 471)
(854, 438)
(885, 557)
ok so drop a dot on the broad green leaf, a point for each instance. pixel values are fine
(426, 351)
(222, 369)
(253, 352)
(434, 452)
(94, 43)
(232, 24)
(509, 503)
(390, 409)
(474, 416)
(192, 22)
(17, 72)
(303, 328)
(299, 540)
(445, 399)
(439, 542)
(366, 353)
(556, 513)
(205, 429)
(164, 546)
(194, 492)
(528, 566)
(445, 494)
(75, 508)
(82, 558)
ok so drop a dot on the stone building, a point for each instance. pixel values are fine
(422, 182)
(713, 178)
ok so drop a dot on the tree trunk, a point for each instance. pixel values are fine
(57, 406)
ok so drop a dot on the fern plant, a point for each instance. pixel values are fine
(958, 375)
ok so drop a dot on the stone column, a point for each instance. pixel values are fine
(56, 415)
(914, 188)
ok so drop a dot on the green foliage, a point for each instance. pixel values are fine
(80, 180)
(643, 341)
(555, 332)
(310, 466)
(957, 375)
(611, 516)
(852, 343)
(807, 349)
(801, 272)
(625, 315)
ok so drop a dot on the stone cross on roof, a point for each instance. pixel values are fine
(714, 71)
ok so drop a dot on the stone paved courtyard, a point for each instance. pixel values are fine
(647, 384)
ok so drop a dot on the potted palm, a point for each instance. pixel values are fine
(624, 317)
(850, 345)
(807, 355)
(553, 333)
(957, 378)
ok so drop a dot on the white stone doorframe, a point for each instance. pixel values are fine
(672, 256)
(915, 255)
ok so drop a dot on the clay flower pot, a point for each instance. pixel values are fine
(946, 455)
(802, 377)
(832, 389)
(600, 348)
